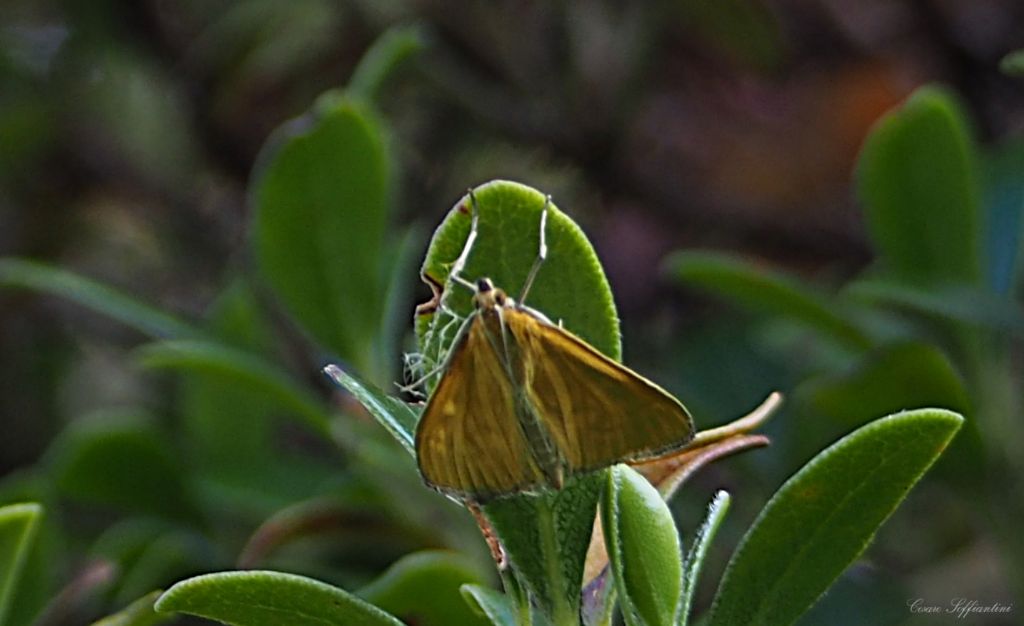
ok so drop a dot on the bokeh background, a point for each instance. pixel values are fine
(129, 132)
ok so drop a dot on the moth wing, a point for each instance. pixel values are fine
(598, 411)
(468, 441)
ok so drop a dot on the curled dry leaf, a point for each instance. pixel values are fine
(669, 472)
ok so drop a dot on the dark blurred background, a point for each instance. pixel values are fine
(128, 131)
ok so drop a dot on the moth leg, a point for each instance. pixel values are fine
(414, 386)
(542, 252)
(440, 368)
(412, 363)
(438, 332)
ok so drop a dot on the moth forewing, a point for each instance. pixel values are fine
(538, 439)
(598, 411)
(468, 441)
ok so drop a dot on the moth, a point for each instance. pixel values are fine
(522, 403)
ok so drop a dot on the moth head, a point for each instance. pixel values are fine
(487, 295)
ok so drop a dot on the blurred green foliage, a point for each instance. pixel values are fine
(937, 331)
(194, 434)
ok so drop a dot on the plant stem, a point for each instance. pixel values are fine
(562, 613)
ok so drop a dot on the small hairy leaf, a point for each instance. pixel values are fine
(18, 523)
(643, 548)
(258, 598)
(698, 552)
(394, 415)
(824, 517)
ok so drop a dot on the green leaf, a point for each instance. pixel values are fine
(570, 287)
(171, 555)
(885, 381)
(643, 548)
(123, 461)
(424, 588)
(1004, 217)
(388, 52)
(496, 606)
(26, 274)
(236, 317)
(258, 598)
(232, 419)
(973, 307)
(240, 368)
(545, 536)
(230, 429)
(394, 415)
(266, 42)
(321, 204)
(898, 376)
(148, 552)
(918, 180)
(44, 567)
(18, 523)
(824, 517)
(699, 551)
(766, 291)
(138, 613)
(1013, 63)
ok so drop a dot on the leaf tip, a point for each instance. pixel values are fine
(333, 372)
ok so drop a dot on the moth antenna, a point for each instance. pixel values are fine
(455, 273)
(462, 281)
(542, 251)
(451, 313)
